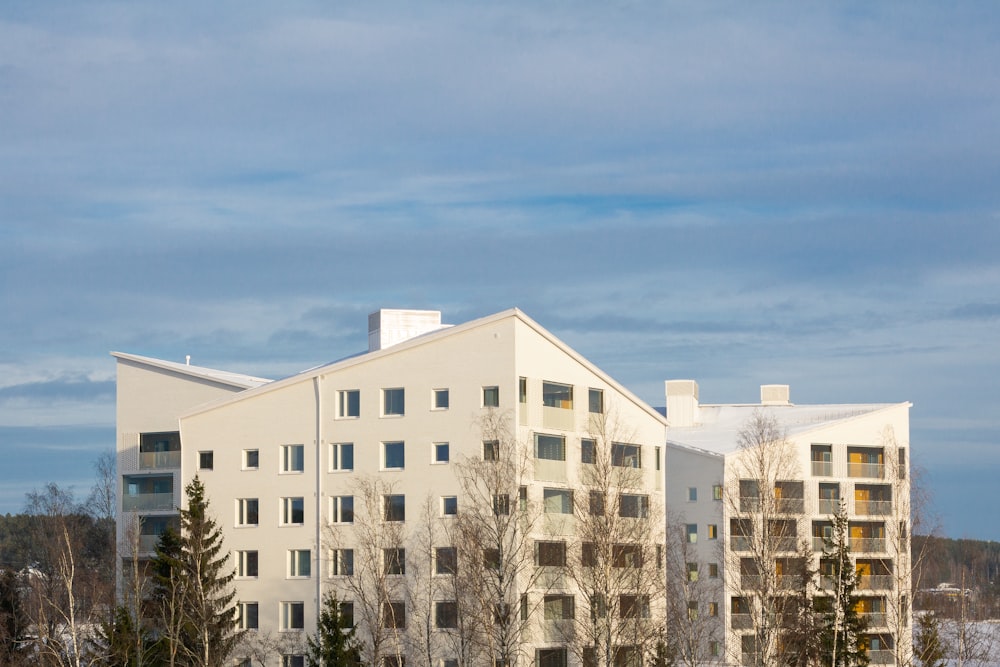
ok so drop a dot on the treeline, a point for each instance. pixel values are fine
(972, 566)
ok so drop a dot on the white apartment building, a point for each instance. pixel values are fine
(281, 460)
(851, 455)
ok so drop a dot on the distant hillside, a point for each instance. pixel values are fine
(970, 564)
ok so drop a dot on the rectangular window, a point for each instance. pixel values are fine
(449, 505)
(251, 459)
(558, 607)
(551, 657)
(595, 402)
(692, 569)
(491, 450)
(246, 512)
(445, 560)
(692, 494)
(293, 661)
(901, 463)
(713, 570)
(491, 559)
(692, 532)
(292, 511)
(550, 447)
(692, 610)
(342, 563)
(347, 614)
(393, 402)
(342, 456)
(248, 619)
(717, 492)
(501, 504)
(446, 614)
(292, 458)
(633, 606)
(442, 452)
(246, 563)
(348, 403)
(394, 560)
(588, 451)
(491, 397)
(713, 609)
(393, 456)
(596, 504)
(522, 498)
(394, 615)
(522, 391)
(557, 501)
(342, 509)
(626, 456)
(292, 615)
(555, 395)
(588, 554)
(633, 506)
(550, 554)
(659, 456)
(439, 399)
(299, 563)
(206, 460)
(395, 507)
(626, 555)
(713, 531)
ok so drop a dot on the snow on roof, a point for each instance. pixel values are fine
(719, 425)
(224, 377)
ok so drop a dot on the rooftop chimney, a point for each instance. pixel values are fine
(774, 394)
(682, 402)
(388, 327)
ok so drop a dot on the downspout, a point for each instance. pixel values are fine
(318, 391)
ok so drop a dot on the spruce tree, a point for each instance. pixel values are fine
(334, 644)
(927, 639)
(843, 626)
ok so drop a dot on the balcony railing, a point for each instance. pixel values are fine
(148, 501)
(868, 545)
(828, 506)
(876, 470)
(749, 503)
(784, 543)
(875, 619)
(751, 582)
(880, 657)
(789, 582)
(740, 621)
(822, 468)
(739, 543)
(875, 582)
(873, 507)
(147, 543)
(157, 460)
(789, 505)
(819, 543)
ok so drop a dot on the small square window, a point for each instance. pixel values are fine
(588, 451)
(395, 561)
(342, 456)
(501, 504)
(439, 399)
(551, 554)
(596, 401)
(551, 657)
(442, 452)
(713, 570)
(206, 460)
(292, 615)
(446, 614)
(558, 607)
(491, 397)
(491, 450)
(449, 505)
(292, 458)
(692, 494)
(299, 563)
(394, 615)
(550, 447)
(557, 501)
(445, 560)
(395, 507)
(348, 403)
(393, 402)
(251, 459)
(393, 456)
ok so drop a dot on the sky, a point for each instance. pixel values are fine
(736, 193)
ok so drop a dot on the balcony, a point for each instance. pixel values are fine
(783, 543)
(159, 460)
(819, 543)
(749, 503)
(789, 505)
(739, 543)
(871, 470)
(789, 582)
(873, 507)
(875, 545)
(140, 502)
(822, 468)
(874, 619)
(875, 582)
(147, 543)
(881, 657)
(829, 506)
(740, 621)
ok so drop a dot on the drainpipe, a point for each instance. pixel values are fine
(318, 391)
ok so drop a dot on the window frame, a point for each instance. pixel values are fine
(390, 397)
(556, 441)
(436, 402)
(244, 513)
(550, 553)
(588, 451)
(491, 396)
(342, 563)
(244, 617)
(299, 564)
(337, 450)
(445, 561)
(445, 614)
(398, 449)
(551, 392)
(346, 408)
(338, 511)
(288, 510)
(641, 505)
(394, 561)
(255, 453)
(436, 449)
(626, 455)
(206, 456)
(445, 502)
(558, 607)
(247, 564)
(292, 611)
(394, 507)
(564, 497)
(593, 393)
(289, 460)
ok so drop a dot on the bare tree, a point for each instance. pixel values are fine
(423, 589)
(765, 506)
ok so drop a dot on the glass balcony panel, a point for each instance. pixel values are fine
(822, 468)
(873, 470)
(159, 460)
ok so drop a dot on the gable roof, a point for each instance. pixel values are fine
(237, 380)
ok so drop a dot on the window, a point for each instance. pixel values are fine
(393, 402)
(692, 610)
(342, 456)
(558, 501)
(522, 391)
(491, 559)
(342, 509)
(692, 569)
(393, 456)
(394, 661)
(713, 609)
(292, 458)
(659, 456)
(595, 401)
(596, 503)
(626, 555)
(588, 451)
(491, 397)
(251, 459)
(439, 399)
(713, 570)
(633, 606)
(206, 460)
(299, 563)
(555, 395)
(713, 531)
(714, 649)
(348, 403)
(717, 492)
(293, 661)
(501, 504)
(246, 563)
(246, 512)
(588, 554)
(524, 607)
(626, 456)
(449, 505)
(394, 561)
(395, 507)
(446, 614)
(442, 452)
(633, 507)
(292, 615)
(522, 498)
(347, 614)
(550, 447)
(551, 657)
(292, 511)
(394, 615)
(491, 450)
(692, 532)
(901, 463)
(552, 554)
(445, 560)
(248, 615)
(692, 494)
(342, 563)
(558, 607)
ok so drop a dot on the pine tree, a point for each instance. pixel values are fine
(334, 644)
(927, 639)
(843, 626)
(13, 630)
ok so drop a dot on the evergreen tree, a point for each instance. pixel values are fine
(12, 620)
(843, 626)
(117, 640)
(801, 630)
(927, 639)
(334, 644)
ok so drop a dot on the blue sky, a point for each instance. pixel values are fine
(777, 193)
